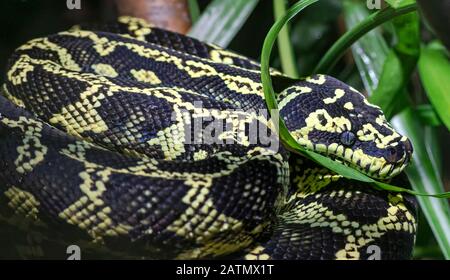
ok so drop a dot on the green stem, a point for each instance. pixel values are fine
(194, 10)
(374, 20)
(284, 44)
(428, 115)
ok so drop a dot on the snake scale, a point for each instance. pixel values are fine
(95, 149)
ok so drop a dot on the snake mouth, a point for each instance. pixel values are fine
(374, 167)
(387, 171)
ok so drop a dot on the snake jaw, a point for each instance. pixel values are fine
(382, 165)
(372, 169)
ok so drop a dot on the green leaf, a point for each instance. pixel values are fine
(359, 30)
(389, 94)
(354, 14)
(399, 3)
(285, 50)
(222, 20)
(407, 31)
(285, 136)
(424, 172)
(427, 252)
(428, 115)
(399, 64)
(434, 69)
(194, 10)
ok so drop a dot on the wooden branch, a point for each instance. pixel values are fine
(168, 14)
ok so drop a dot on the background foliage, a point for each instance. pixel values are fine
(402, 65)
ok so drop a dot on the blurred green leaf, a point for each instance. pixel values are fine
(285, 50)
(424, 170)
(399, 3)
(313, 33)
(437, 45)
(389, 93)
(434, 69)
(222, 20)
(359, 30)
(407, 43)
(433, 252)
(354, 14)
(194, 10)
(399, 64)
(428, 115)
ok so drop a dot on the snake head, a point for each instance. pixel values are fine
(329, 117)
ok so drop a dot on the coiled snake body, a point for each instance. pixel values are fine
(93, 146)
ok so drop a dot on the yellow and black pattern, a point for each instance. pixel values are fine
(94, 130)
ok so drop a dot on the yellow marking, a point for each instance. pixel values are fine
(290, 97)
(31, 152)
(22, 202)
(370, 104)
(218, 246)
(139, 27)
(104, 70)
(257, 254)
(313, 122)
(200, 155)
(65, 58)
(349, 106)
(18, 72)
(377, 230)
(338, 93)
(195, 69)
(82, 116)
(370, 133)
(171, 139)
(94, 188)
(320, 80)
(145, 76)
(220, 56)
(12, 98)
(86, 215)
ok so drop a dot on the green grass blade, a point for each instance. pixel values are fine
(434, 69)
(285, 50)
(359, 30)
(354, 14)
(428, 115)
(194, 10)
(222, 20)
(390, 94)
(424, 172)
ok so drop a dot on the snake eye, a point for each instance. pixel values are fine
(348, 138)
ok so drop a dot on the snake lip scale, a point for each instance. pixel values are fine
(93, 152)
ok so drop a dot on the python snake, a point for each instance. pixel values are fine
(94, 151)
